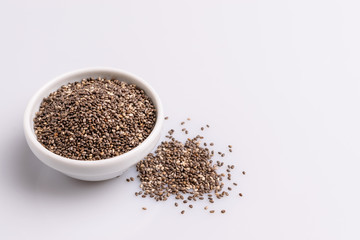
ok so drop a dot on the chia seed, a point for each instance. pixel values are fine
(94, 119)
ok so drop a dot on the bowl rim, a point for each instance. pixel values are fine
(30, 134)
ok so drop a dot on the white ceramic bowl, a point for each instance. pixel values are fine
(100, 169)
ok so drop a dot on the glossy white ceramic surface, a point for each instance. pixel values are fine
(92, 170)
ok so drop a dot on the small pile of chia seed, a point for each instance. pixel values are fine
(184, 170)
(178, 169)
(94, 119)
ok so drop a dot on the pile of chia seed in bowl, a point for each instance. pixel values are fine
(94, 119)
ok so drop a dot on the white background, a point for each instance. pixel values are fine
(279, 80)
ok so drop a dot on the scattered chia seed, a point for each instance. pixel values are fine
(185, 170)
(240, 194)
(243, 172)
(166, 118)
(94, 119)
